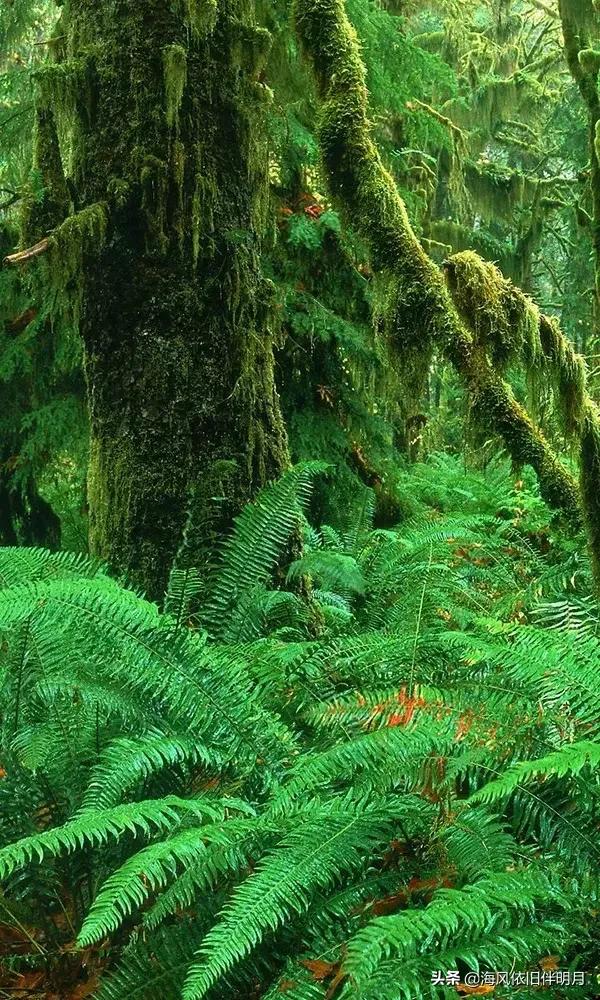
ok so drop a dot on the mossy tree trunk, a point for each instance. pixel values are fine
(581, 34)
(159, 107)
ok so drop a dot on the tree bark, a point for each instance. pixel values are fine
(159, 107)
(577, 18)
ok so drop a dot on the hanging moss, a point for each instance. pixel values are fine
(495, 409)
(568, 372)
(431, 41)
(504, 320)
(41, 214)
(251, 49)
(119, 192)
(80, 235)
(174, 58)
(497, 193)
(66, 88)
(415, 301)
(596, 146)
(200, 16)
(60, 84)
(589, 60)
(154, 180)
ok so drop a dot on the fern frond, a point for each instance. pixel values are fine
(502, 900)
(571, 759)
(259, 537)
(205, 851)
(126, 761)
(93, 828)
(334, 839)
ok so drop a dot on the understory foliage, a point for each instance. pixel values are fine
(357, 743)
(331, 770)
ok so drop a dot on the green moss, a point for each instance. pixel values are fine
(251, 48)
(510, 328)
(42, 213)
(589, 60)
(66, 88)
(119, 192)
(497, 193)
(504, 320)
(495, 409)
(568, 372)
(174, 59)
(590, 480)
(154, 180)
(200, 16)
(79, 236)
(178, 349)
(415, 307)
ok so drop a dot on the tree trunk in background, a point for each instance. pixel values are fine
(581, 33)
(159, 108)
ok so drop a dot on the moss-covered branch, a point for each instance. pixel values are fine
(420, 312)
(510, 327)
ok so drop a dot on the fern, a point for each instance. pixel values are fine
(362, 776)
(250, 555)
(96, 827)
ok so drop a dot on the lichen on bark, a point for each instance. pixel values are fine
(168, 165)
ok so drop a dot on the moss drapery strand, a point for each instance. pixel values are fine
(422, 312)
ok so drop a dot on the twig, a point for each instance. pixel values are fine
(25, 255)
(546, 8)
(51, 41)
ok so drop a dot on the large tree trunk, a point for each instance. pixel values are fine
(158, 106)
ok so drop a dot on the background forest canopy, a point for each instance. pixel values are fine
(299, 498)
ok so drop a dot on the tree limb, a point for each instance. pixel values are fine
(23, 256)
(422, 313)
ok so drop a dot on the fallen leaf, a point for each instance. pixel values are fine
(549, 963)
(320, 969)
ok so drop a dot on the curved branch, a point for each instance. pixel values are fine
(422, 313)
(23, 256)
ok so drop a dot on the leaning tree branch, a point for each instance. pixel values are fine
(423, 312)
(545, 8)
(23, 256)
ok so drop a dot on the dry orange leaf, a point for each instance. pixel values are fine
(320, 969)
(549, 963)
(84, 990)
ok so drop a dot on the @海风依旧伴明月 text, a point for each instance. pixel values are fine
(471, 981)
